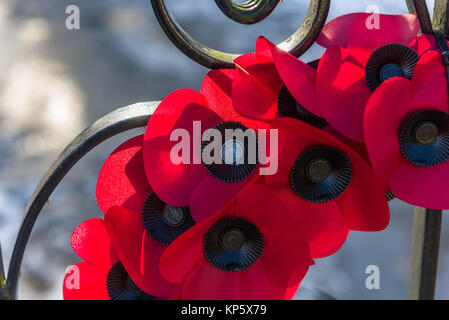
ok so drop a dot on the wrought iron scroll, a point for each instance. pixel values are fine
(118, 121)
(251, 11)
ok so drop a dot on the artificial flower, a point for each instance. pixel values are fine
(190, 114)
(331, 183)
(406, 127)
(356, 61)
(250, 250)
(141, 234)
(321, 224)
(101, 275)
(259, 93)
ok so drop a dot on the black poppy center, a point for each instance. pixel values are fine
(121, 287)
(174, 216)
(388, 61)
(318, 169)
(389, 71)
(321, 174)
(233, 152)
(289, 107)
(424, 138)
(233, 244)
(232, 239)
(425, 133)
(163, 222)
(230, 151)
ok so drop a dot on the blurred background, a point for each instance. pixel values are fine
(54, 82)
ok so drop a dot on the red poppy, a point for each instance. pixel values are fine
(100, 276)
(122, 183)
(190, 183)
(406, 129)
(322, 181)
(259, 93)
(356, 61)
(250, 250)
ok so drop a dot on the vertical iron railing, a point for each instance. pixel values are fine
(427, 222)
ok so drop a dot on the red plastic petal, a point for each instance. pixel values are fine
(207, 282)
(122, 180)
(360, 30)
(138, 252)
(429, 84)
(255, 88)
(424, 43)
(342, 92)
(217, 90)
(357, 146)
(290, 147)
(298, 77)
(186, 252)
(424, 187)
(321, 224)
(91, 242)
(212, 195)
(388, 107)
(85, 281)
(363, 214)
(282, 237)
(174, 183)
(363, 205)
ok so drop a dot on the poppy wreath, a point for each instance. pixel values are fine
(101, 275)
(364, 119)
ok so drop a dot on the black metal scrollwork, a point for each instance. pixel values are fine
(251, 11)
(118, 121)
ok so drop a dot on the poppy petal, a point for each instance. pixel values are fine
(138, 252)
(186, 252)
(362, 213)
(289, 146)
(342, 92)
(207, 282)
(217, 90)
(321, 224)
(85, 281)
(363, 205)
(386, 110)
(212, 195)
(258, 204)
(424, 43)
(255, 88)
(357, 146)
(174, 180)
(122, 181)
(361, 30)
(91, 242)
(429, 84)
(298, 77)
(424, 187)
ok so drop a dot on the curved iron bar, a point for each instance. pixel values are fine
(3, 291)
(249, 12)
(296, 44)
(118, 121)
(420, 8)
